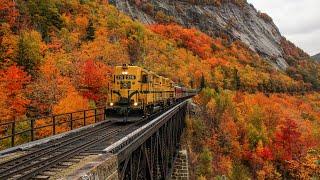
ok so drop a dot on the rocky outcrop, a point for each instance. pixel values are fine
(236, 22)
(316, 57)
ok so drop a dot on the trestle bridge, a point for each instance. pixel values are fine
(145, 149)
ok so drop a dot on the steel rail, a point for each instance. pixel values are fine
(41, 164)
(5, 166)
(54, 160)
(38, 167)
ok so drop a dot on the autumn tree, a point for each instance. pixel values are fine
(90, 31)
(135, 35)
(13, 100)
(8, 45)
(48, 89)
(29, 52)
(197, 42)
(8, 12)
(93, 80)
(287, 141)
(44, 16)
(8, 16)
(205, 159)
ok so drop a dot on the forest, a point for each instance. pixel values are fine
(255, 121)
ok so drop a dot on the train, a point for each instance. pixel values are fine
(137, 92)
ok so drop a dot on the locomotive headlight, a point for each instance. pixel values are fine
(124, 72)
(135, 104)
(111, 104)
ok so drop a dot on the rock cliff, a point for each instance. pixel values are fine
(234, 19)
(316, 57)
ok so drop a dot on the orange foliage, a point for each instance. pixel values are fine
(72, 102)
(271, 133)
(262, 130)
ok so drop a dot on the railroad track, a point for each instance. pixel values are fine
(43, 161)
(48, 157)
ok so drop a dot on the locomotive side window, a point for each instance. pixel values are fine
(144, 78)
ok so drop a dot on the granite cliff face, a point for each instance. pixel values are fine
(316, 57)
(229, 19)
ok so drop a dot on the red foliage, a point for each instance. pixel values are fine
(265, 153)
(8, 11)
(198, 42)
(12, 82)
(93, 78)
(291, 50)
(287, 140)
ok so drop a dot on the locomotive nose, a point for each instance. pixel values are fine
(123, 101)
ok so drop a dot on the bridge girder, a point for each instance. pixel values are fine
(152, 156)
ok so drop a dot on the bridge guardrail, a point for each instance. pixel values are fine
(23, 131)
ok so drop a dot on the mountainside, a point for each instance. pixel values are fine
(234, 20)
(316, 57)
(253, 122)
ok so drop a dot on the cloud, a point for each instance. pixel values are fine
(298, 20)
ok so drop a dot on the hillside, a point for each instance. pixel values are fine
(316, 57)
(233, 20)
(254, 121)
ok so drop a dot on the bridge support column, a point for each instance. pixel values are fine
(180, 169)
(152, 155)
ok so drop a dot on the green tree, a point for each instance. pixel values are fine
(135, 34)
(239, 172)
(45, 16)
(29, 54)
(205, 167)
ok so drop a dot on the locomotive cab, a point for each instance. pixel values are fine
(130, 92)
(121, 96)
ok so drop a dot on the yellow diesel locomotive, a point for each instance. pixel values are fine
(138, 92)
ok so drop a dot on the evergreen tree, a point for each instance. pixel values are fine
(236, 79)
(45, 16)
(90, 32)
(202, 83)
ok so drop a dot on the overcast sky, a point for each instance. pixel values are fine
(298, 20)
